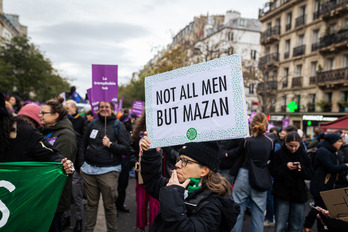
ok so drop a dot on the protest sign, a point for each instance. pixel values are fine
(104, 83)
(202, 102)
(336, 201)
(94, 104)
(138, 107)
(29, 195)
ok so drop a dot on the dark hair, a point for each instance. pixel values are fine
(291, 128)
(139, 126)
(259, 124)
(56, 105)
(89, 113)
(292, 136)
(273, 129)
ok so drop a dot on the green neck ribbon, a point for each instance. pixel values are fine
(194, 185)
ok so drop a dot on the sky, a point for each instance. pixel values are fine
(74, 34)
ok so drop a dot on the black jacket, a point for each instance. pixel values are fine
(327, 169)
(201, 211)
(228, 146)
(30, 145)
(289, 184)
(95, 153)
(63, 135)
(342, 159)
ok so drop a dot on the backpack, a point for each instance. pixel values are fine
(116, 122)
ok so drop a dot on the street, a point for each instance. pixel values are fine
(127, 222)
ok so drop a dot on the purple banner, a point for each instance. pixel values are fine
(94, 105)
(286, 122)
(118, 105)
(104, 83)
(138, 107)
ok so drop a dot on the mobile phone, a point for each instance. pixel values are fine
(311, 204)
(295, 163)
(137, 166)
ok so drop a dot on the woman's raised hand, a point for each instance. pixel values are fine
(145, 142)
(174, 180)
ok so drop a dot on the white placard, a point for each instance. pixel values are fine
(202, 102)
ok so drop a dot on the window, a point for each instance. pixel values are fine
(276, 48)
(297, 100)
(313, 69)
(345, 61)
(230, 36)
(333, 28)
(268, 50)
(251, 89)
(230, 50)
(242, 22)
(300, 40)
(344, 96)
(283, 103)
(287, 49)
(311, 98)
(288, 20)
(253, 54)
(345, 23)
(315, 36)
(285, 77)
(330, 63)
(299, 70)
(302, 10)
(328, 97)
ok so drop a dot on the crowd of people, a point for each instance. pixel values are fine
(202, 186)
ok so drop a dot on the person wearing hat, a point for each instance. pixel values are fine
(30, 114)
(22, 142)
(327, 168)
(196, 197)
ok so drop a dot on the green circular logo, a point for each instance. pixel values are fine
(191, 133)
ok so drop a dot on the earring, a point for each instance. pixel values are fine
(203, 171)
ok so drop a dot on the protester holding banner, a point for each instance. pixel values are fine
(257, 151)
(327, 169)
(22, 142)
(290, 167)
(59, 132)
(196, 197)
(105, 141)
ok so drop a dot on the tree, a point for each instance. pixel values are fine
(170, 59)
(24, 70)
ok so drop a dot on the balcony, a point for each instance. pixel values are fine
(296, 82)
(300, 21)
(334, 41)
(270, 35)
(338, 6)
(315, 46)
(271, 6)
(266, 87)
(299, 50)
(332, 79)
(269, 59)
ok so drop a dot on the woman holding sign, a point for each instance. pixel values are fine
(196, 197)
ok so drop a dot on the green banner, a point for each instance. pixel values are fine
(29, 195)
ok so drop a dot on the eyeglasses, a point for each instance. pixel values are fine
(292, 146)
(43, 112)
(185, 161)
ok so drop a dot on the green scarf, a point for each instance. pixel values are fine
(193, 185)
